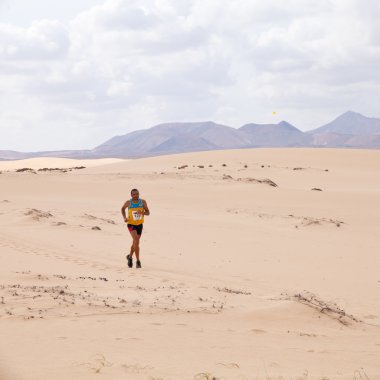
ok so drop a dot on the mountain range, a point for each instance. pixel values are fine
(349, 130)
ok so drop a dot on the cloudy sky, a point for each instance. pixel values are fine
(77, 72)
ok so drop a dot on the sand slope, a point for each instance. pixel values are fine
(240, 279)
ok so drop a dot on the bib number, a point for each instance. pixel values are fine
(136, 215)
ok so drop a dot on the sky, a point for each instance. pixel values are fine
(75, 73)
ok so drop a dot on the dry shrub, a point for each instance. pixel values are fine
(98, 363)
(38, 214)
(331, 309)
(266, 181)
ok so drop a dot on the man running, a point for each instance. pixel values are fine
(137, 208)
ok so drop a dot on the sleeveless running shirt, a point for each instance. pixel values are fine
(133, 217)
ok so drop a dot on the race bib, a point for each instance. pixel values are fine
(136, 215)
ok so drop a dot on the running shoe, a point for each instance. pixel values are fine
(138, 264)
(130, 261)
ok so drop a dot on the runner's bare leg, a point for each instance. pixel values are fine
(132, 250)
(135, 244)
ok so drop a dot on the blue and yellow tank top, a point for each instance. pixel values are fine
(133, 217)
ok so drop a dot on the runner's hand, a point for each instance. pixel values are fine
(126, 220)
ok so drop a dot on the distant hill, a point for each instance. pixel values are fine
(12, 155)
(340, 140)
(173, 138)
(348, 130)
(275, 135)
(192, 137)
(351, 123)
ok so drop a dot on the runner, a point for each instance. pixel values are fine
(137, 208)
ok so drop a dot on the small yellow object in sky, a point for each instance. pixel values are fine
(274, 112)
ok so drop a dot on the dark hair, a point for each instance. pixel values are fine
(134, 190)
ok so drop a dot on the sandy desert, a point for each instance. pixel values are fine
(257, 264)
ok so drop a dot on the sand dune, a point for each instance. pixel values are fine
(51, 162)
(240, 280)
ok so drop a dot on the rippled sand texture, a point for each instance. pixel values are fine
(257, 264)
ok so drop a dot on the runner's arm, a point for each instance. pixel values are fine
(146, 209)
(125, 206)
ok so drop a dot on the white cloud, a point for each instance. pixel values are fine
(44, 39)
(123, 65)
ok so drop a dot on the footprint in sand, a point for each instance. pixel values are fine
(30, 249)
(371, 316)
(307, 334)
(258, 331)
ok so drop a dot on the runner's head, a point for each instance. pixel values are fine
(135, 194)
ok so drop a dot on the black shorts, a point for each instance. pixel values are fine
(138, 228)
